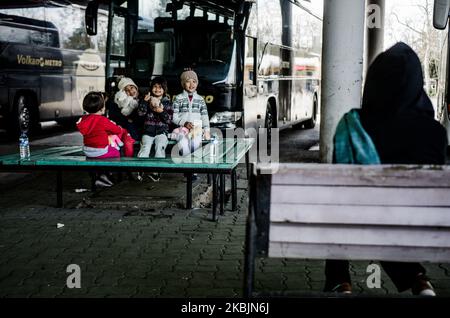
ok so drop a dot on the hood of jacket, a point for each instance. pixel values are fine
(394, 86)
(397, 113)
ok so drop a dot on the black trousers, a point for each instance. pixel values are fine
(401, 274)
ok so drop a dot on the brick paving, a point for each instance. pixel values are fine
(135, 240)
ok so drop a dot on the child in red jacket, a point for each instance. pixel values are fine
(101, 136)
(97, 130)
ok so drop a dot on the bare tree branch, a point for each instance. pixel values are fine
(421, 33)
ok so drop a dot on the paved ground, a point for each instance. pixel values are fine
(137, 249)
(136, 240)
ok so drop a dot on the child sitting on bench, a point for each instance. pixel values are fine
(156, 108)
(191, 115)
(97, 131)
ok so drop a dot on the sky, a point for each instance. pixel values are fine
(404, 9)
(316, 6)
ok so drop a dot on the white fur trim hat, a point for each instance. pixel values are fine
(187, 75)
(124, 82)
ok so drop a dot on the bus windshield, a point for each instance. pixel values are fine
(184, 46)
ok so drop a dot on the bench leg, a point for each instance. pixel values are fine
(59, 194)
(233, 190)
(222, 193)
(189, 191)
(93, 176)
(214, 197)
(247, 164)
(249, 262)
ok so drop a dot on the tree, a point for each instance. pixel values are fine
(412, 23)
(79, 40)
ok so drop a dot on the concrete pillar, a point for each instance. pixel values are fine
(342, 66)
(375, 29)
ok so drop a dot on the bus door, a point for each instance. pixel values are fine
(250, 84)
(122, 31)
(286, 109)
(117, 54)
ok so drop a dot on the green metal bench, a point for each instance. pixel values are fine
(71, 158)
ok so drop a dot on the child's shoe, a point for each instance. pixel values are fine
(102, 184)
(343, 288)
(104, 178)
(422, 287)
(154, 176)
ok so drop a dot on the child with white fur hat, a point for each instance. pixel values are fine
(127, 96)
(122, 108)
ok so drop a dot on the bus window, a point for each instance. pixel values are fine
(118, 36)
(250, 65)
(270, 29)
(13, 35)
(222, 46)
(46, 38)
(192, 48)
(150, 58)
(27, 30)
(252, 27)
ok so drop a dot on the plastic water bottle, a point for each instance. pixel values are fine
(214, 145)
(24, 147)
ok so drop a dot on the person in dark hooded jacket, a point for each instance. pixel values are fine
(398, 117)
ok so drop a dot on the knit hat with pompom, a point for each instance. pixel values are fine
(187, 75)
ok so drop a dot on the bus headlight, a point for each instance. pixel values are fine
(225, 117)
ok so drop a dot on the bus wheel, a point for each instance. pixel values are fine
(25, 116)
(311, 123)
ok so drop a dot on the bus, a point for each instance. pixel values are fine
(47, 61)
(258, 62)
(440, 21)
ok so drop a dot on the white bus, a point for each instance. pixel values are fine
(258, 61)
(441, 16)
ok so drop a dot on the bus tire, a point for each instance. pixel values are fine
(311, 123)
(21, 102)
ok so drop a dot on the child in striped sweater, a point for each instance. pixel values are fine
(190, 114)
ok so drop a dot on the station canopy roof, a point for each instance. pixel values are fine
(225, 8)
